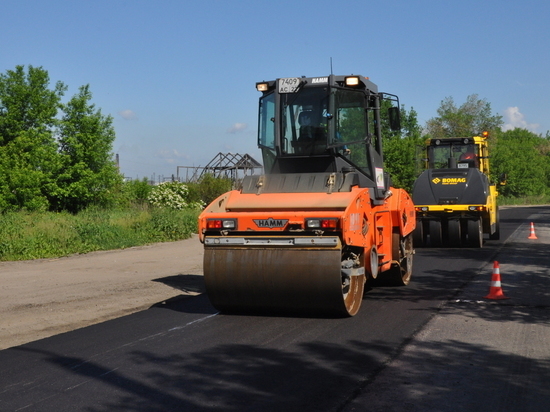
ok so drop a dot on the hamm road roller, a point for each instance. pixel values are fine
(306, 235)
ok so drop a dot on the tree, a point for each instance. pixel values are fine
(28, 164)
(28, 149)
(400, 148)
(48, 161)
(470, 119)
(89, 173)
(523, 157)
(26, 103)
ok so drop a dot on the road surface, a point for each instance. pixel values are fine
(427, 346)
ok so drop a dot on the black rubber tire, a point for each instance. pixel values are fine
(436, 235)
(475, 233)
(496, 234)
(418, 234)
(454, 233)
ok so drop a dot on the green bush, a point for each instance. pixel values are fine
(172, 224)
(210, 187)
(132, 193)
(172, 195)
(137, 190)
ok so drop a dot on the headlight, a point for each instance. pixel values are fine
(352, 81)
(262, 87)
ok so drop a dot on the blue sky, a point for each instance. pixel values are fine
(179, 77)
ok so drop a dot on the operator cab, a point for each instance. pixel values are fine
(458, 153)
(453, 153)
(323, 124)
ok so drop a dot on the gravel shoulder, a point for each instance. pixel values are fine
(45, 297)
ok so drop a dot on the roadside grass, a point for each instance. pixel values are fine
(37, 235)
(524, 201)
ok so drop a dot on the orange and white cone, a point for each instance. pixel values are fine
(495, 291)
(532, 235)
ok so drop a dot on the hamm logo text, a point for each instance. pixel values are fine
(270, 223)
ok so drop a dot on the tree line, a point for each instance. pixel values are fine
(53, 155)
(520, 155)
(57, 156)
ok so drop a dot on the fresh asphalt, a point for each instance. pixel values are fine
(433, 345)
(480, 354)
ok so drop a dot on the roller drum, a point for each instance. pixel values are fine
(280, 280)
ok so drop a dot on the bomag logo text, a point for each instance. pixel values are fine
(449, 180)
(452, 180)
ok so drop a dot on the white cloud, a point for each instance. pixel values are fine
(237, 127)
(513, 118)
(127, 114)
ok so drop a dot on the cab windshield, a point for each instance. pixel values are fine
(453, 156)
(305, 121)
(316, 121)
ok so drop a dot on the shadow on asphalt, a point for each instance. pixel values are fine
(239, 377)
(185, 283)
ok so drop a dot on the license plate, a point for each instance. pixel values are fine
(289, 85)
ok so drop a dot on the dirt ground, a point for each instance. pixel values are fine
(41, 298)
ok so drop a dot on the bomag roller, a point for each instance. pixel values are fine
(455, 202)
(305, 236)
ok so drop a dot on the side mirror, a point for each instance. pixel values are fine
(395, 118)
(502, 179)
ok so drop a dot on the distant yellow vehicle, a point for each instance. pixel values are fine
(455, 202)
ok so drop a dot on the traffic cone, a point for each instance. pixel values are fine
(495, 291)
(532, 235)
